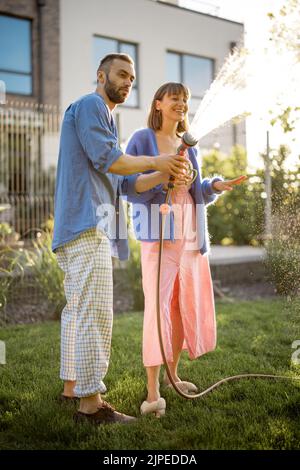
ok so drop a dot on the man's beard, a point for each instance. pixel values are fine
(113, 93)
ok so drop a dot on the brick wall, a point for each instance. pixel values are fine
(50, 54)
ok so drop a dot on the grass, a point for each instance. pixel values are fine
(249, 414)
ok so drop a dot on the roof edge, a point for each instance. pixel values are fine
(197, 12)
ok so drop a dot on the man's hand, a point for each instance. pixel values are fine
(227, 185)
(174, 165)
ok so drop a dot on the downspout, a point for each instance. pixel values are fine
(40, 4)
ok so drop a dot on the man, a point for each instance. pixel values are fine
(89, 162)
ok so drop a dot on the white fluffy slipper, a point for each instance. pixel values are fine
(157, 407)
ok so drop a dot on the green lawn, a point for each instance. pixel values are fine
(249, 414)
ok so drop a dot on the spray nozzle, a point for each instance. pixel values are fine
(188, 140)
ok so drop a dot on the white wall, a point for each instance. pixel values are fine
(155, 27)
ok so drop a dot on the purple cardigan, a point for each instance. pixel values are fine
(146, 217)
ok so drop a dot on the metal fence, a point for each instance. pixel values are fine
(29, 139)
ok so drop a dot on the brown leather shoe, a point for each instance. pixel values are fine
(106, 414)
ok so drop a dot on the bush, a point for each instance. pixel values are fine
(237, 217)
(283, 253)
(44, 267)
(7, 234)
(5, 281)
(283, 249)
(134, 274)
(10, 266)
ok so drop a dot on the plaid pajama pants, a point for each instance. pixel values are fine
(86, 322)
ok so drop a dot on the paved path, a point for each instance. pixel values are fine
(235, 254)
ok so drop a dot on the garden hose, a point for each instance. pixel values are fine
(188, 141)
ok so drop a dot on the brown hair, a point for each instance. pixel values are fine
(106, 62)
(155, 116)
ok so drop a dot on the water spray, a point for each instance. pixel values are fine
(188, 141)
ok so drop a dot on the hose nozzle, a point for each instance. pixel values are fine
(188, 140)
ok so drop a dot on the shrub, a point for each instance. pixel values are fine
(283, 253)
(5, 281)
(134, 275)
(8, 234)
(44, 267)
(238, 216)
(10, 267)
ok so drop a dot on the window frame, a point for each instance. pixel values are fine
(27, 74)
(136, 85)
(181, 71)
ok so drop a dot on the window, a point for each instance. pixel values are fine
(103, 46)
(195, 72)
(15, 55)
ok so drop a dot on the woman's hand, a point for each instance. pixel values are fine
(180, 181)
(227, 185)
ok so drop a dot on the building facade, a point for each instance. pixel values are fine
(29, 50)
(49, 53)
(29, 116)
(168, 43)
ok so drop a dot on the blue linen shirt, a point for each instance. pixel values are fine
(84, 187)
(146, 227)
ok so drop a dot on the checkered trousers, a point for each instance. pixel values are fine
(86, 322)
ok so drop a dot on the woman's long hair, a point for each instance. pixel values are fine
(155, 116)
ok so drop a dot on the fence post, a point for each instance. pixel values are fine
(268, 189)
(2, 353)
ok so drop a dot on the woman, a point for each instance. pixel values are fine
(187, 302)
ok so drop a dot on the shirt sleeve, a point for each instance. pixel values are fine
(95, 135)
(207, 186)
(128, 184)
(208, 191)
